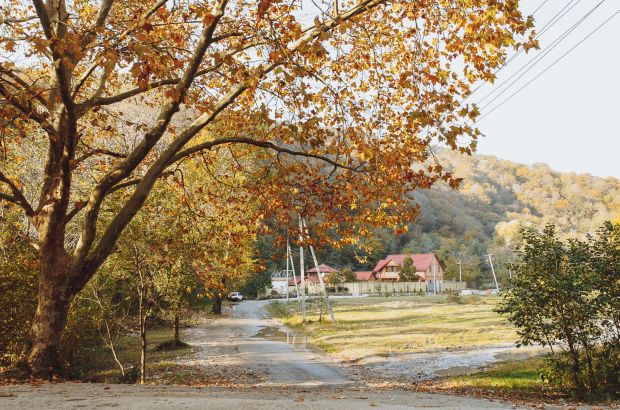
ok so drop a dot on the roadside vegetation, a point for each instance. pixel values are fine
(94, 363)
(377, 326)
(511, 380)
(566, 295)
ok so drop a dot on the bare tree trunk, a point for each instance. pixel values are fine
(217, 305)
(43, 349)
(143, 316)
(177, 339)
(143, 351)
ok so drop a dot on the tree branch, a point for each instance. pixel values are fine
(263, 144)
(25, 86)
(27, 109)
(9, 198)
(44, 18)
(82, 80)
(96, 100)
(131, 207)
(97, 152)
(20, 234)
(125, 168)
(18, 197)
(134, 181)
(76, 208)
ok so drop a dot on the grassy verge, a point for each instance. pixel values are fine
(408, 324)
(514, 381)
(97, 364)
(522, 375)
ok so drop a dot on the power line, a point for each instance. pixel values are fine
(538, 8)
(547, 26)
(557, 17)
(552, 64)
(535, 60)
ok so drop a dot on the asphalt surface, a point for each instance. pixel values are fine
(75, 395)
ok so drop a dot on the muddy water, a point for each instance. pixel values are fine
(284, 335)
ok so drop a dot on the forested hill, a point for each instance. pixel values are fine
(496, 198)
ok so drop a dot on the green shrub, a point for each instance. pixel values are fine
(454, 297)
(566, 295)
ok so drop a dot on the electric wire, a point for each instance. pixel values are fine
(547, 26)
(533, 62)
(552, 64)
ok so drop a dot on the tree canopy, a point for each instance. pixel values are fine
(340, 100)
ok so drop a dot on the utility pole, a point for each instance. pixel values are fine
(318, 271)
(493, 271)
(460, 272)
(301, 272)
(290, 255)
(434, 277)
(287, 270)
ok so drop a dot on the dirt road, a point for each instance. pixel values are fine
(292, 377)
(251, 339)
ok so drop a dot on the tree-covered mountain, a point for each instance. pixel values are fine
(496, 198)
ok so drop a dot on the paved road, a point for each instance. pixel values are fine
(73, 396)
(250, 338)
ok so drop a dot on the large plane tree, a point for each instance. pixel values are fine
(343, 98)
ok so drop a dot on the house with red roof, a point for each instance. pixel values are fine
(312, 278)
(324, 269)
(363, 276)
(427, 265)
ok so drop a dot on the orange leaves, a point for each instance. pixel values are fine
(262, 7)
(368, 93)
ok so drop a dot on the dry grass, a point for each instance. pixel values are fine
(97, 363)
(408, 324)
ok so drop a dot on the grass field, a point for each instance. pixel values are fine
(408, 324)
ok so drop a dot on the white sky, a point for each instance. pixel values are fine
(568, 117)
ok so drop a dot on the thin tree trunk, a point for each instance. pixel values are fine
(143, 317)
(143, 351)
(177, 339)
(574, 354)
(217, 305)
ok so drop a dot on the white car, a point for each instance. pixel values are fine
(235, 297)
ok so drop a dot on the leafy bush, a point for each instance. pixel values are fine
(566, 295)
(454, 297)
(18, 284)
(473, 300)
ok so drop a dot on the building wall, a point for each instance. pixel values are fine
(279, 285)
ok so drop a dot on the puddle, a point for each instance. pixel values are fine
(285, 336)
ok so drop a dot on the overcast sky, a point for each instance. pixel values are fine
(568, 117)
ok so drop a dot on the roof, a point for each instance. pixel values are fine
(309, 278)
(421, 261)
(363, 275)
(323, 268)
